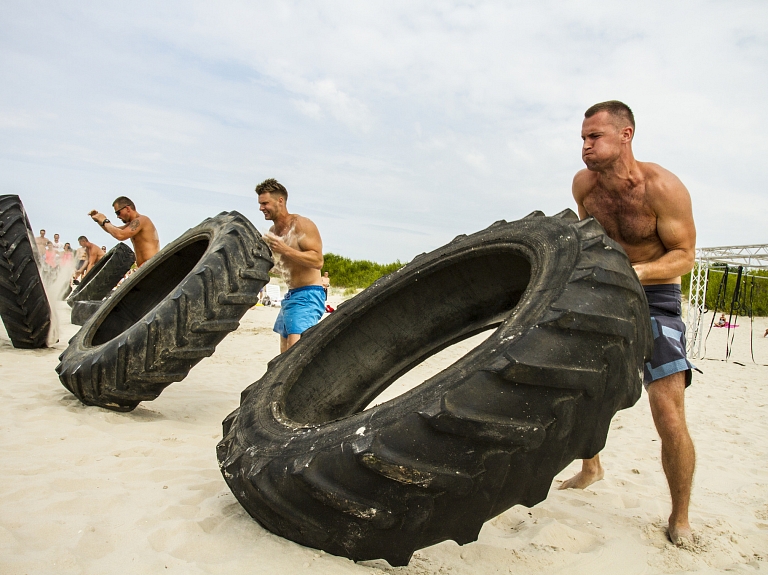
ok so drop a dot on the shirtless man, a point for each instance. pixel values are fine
(42, 243)
(93, 254)
(138, 228)
(647, 210)
(326, 283)
(296, 242)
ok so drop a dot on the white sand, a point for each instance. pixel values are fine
(85, 490)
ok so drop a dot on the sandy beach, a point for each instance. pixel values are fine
(85, 490)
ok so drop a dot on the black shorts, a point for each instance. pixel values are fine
(668, 329)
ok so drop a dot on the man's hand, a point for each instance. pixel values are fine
(275, 243)
(97, 216)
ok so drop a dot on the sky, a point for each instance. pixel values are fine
(394, 125)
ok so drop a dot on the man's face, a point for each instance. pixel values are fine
(82, 243)
(42, 233)
(122, 213)
(55, 237)
(269, 205)
(602, 141)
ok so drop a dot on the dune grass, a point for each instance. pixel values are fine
(355, 274)
(756, 297)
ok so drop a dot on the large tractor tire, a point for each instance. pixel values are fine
(24, 305)
(83, 310)
(310, 463)
(99, 282)
(168, 315)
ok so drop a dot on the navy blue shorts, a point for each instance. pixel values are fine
(300, 309)
(668, 334)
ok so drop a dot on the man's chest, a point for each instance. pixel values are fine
(626, 216)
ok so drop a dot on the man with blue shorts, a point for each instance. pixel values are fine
(298, 250)
(647, 210)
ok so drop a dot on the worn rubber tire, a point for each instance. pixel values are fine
(24, 305)
(103, 277)
(492, 430)
(168, 315)
(83, 310)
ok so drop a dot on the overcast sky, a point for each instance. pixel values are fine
(394, 125)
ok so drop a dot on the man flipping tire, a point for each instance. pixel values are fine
(295, 240)
(647, 210)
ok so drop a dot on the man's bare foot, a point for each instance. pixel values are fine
(583, 478)
(680, 535)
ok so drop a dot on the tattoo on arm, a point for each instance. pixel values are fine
(135, 224)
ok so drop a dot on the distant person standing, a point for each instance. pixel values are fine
(296, 243)
(42, 243)
(58, 246)
(93, 253)
(66, 256)
(50, 256)
(138, 228)
(326, 284)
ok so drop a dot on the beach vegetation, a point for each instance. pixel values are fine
(355, 274)
(755, 297)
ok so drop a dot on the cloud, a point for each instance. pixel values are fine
(434, 116)
(326, 98)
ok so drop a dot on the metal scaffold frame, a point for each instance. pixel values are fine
(751, 257)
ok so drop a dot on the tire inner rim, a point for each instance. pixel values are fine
(161, 279)
(461, 296)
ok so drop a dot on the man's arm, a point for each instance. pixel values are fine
(671, 202)
(310, 252)
(124, 232)
(118, 232)
(579, 189)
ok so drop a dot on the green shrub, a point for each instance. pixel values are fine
(759, 297)
(355, 274)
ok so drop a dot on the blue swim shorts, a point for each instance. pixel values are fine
(668, 334)
(301, 309)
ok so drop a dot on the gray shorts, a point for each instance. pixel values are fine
(668, 334)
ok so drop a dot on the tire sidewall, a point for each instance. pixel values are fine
(551, 247)
(134, 334)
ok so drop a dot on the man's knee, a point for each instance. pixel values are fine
(667, 397)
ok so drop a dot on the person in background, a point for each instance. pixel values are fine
(50, 256)
(81, 257)
(93, 254)
(138, 228)
(42, 242)
(66, 256)
(722, 321)
(326, 284)
(57, 245)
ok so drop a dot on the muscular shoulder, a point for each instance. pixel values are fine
(662, 187)
(305, 225)
(142, 222)
(583, 182)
